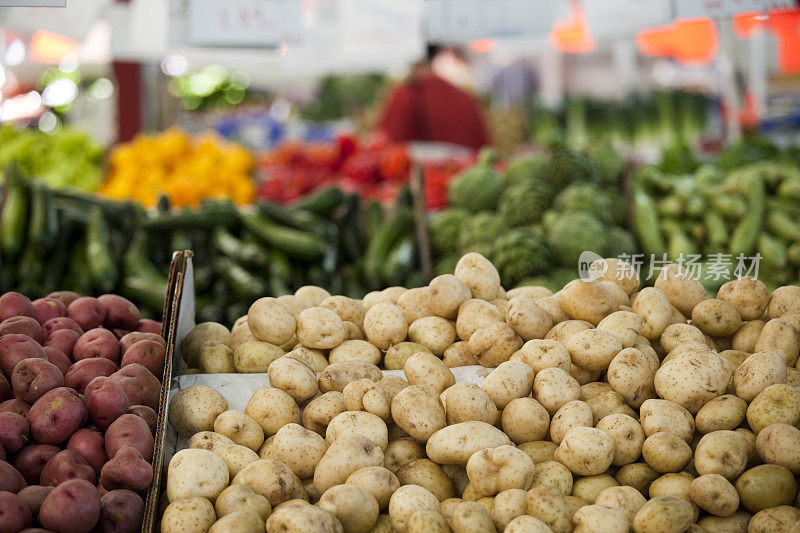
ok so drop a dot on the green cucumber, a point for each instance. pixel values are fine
(244, 253)
(400, 261)
(782, 225)
(100, 263)
(298, 219)
(384, 240)
(745, 236)
(292, 242)
(14, 215)
(208, 216)
(242, 284)
(322, 201)
(646, 223)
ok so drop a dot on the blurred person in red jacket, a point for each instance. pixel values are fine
(428, 108)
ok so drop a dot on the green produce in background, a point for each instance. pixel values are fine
(477, 188)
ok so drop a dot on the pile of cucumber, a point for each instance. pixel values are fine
(750, 211)
(76, 241)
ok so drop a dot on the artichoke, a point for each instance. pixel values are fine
(444, 228)
(523, 204)
(478, 187)
(479, 231)
(528, 169)
(607, 205)
(520, 253)
(566, 166)
(574, 232)
(619, 242)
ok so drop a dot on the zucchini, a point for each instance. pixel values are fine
(99, 261)
(241, 283)
(374, 218)
(645, 222)
(244, 253)
(14, 215)
(292, 242)
(773, 253)
(137, 264)
(208, 216)
(298, 219)
(351, 237)
(322, 201)
(716, 230)
(280, 272)
(782, 226)
(400, 261)
(384, 240)
(145, 292)
(745, 236)
(728, 206)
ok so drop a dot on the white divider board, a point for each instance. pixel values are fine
(459, 21)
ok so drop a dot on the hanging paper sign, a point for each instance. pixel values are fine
(244, 23)
(466, 20)
(726, 9)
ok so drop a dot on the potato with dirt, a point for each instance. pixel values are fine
(14, 432)
(14, 348)
(56, 416)
(32, 378)
(194, 409)
(31, 460)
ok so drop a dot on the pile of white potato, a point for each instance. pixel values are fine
(604, 409)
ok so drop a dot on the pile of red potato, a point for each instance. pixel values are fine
(80, 382)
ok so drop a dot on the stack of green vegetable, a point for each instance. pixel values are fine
(746, 203)
(67, 240)
(67, 158)
(536, 217)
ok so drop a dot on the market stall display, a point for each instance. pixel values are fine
(186, 169)
(601, 404)
(67, 158)
(79, 392)
(745, 203)
(535, 217)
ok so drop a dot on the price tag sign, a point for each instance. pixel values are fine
(726, 9)
(465, 20)
(609, 19)
(244, 23)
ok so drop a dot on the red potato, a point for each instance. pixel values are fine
(15, 405)
(83, 372)
(72, 507)
(120, 312)
(32, 378)
(87, 311)
(121, 511)
(105, 400)
(24, 325)
(129, 431)
(141, 387)
(61, 322)
(63, 339)
(66, 465)
(5, 389)
(47, 308)
(15, 347)
(58, 358)
(149, 354)
(33, 496)
(14, 432)
(15, 514)
(135, 336)
(90, 445)
(15, 304)
(96, 342)
(56, 416)
(147, 414)
(147, 325)
(101, 490)
(31, 460)
(10, 479)
(65, 296)
(127, 470)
